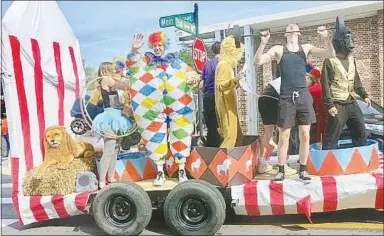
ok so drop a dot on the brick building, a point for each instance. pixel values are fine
(364, 18)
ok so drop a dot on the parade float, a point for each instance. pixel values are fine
(48, 62)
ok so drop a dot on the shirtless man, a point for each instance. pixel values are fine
(295, 102)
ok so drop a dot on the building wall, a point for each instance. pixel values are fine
(368, 54)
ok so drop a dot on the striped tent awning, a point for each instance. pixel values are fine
(42, 74)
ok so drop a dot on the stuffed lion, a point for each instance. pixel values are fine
(64, 158)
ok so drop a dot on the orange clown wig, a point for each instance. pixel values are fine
(158, 37)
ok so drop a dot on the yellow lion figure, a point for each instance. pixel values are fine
(64, 158)
(61, 149)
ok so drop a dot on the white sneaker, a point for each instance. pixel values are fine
(289, 171)
(264, 168)
(160, 179)
(182, 176)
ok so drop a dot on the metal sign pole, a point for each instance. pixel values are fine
(196, 13)
(199, 92)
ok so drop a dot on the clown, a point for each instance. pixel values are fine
(314, 86)
(161, 97)
(341, 83)
(225, 93)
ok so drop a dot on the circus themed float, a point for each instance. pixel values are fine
(55, 174)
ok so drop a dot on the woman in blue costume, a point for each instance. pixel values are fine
(111, 123)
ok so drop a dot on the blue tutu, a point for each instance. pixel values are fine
(111, 121)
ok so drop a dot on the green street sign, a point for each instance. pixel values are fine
(185, 25)
(169, 21)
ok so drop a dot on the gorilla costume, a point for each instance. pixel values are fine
(341, 83)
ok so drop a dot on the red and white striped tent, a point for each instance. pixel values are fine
(42, 74)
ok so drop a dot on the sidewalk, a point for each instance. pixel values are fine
(5, 166)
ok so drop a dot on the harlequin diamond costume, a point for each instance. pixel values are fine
(161, 96)
(341, 83)
(225, 93)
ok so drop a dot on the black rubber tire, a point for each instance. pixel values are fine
(141, 204)
(195, 190)
(79, 121)
(217, 192)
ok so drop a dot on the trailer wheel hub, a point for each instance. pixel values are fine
(120, 211)
(193, 212)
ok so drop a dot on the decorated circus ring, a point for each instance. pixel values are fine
(55, 160)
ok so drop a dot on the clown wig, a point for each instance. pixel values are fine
(158, 37)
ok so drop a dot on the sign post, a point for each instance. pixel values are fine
(196, 15)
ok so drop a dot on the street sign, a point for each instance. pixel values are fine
(185, 25)
(199, 54)
(169, 21)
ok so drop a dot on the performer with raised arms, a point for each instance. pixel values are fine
(161, 96)
(295, 102)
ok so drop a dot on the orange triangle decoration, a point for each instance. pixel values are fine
(356, 164)
(330, 166)
(311, 168)
(150, 170)
(126, 176)
(374, 163)
(116, 176)
(131, 171)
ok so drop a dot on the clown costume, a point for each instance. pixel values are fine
(162, 98)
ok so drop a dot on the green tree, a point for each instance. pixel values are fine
(186, 56)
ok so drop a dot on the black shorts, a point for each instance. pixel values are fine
(295, 110)
(268, 105)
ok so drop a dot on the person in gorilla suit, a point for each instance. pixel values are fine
(341, 83)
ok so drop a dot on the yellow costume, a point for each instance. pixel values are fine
(225, 93)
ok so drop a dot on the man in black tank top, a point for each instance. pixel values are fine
(295, 102)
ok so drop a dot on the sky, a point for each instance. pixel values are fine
(105, 28)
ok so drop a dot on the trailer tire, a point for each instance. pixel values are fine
(219, 195)
(122, 208)
(192, 208)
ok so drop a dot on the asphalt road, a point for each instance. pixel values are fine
(348, 222)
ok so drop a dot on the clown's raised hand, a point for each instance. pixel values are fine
(137, 42)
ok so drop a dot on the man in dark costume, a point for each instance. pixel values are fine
(341, 82)
(208, 78)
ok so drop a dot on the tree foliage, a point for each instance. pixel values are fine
(186, 56)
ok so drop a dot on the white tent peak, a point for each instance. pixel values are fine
(42, 20)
